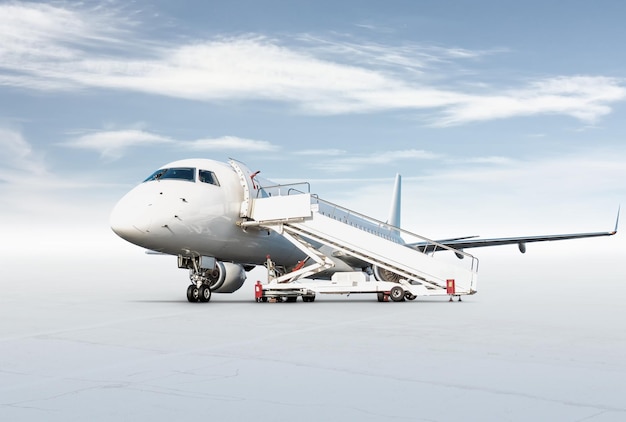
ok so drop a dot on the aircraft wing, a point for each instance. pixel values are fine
(520, 241)
(475, 242)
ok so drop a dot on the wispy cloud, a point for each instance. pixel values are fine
(494, 159)
(231, 143)
(323, 152)
(586, 172)
(398, 58)
(48, 47)
(113, 144)
(583, 97)
(24, 169)
(17, 158)
(351, 162)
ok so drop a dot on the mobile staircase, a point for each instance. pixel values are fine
(308, 222)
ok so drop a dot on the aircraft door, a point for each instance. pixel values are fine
(249, 185)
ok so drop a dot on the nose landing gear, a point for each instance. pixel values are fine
(201, 281)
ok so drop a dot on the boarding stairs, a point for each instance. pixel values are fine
(308, 222)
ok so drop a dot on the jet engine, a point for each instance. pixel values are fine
(226, 277)
(382, 274)
(220, 277)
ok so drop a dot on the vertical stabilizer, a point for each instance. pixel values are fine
(394, 211)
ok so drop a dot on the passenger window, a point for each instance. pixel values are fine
(208, 177)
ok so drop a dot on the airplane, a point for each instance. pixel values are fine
(197, 210)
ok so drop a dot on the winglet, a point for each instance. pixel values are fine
(616, 221)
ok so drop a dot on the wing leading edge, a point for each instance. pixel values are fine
(473, 242)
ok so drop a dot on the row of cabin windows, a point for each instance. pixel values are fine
(367, 229)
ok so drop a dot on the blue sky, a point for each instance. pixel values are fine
(504, 118)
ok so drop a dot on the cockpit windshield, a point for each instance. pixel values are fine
(206, 176)
(181, 173)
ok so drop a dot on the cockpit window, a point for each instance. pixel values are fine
(181, 173)
(206, 176)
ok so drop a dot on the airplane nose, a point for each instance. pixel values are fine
(130, 219)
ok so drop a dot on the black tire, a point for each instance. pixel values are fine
(192, 293)
(204, 293)
(397, 294)
(308, 298)
(380, 296)
(291, 299)
(409, 296)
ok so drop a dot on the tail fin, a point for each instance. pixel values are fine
(394, 211)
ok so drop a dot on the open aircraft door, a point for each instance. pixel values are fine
(249, 185)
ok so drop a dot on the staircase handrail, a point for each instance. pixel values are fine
(431, 245)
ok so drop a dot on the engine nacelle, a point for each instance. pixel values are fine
(226, 277)
(382, 274)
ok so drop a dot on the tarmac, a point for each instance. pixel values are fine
(113, 338)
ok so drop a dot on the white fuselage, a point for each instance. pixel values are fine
(193, 218)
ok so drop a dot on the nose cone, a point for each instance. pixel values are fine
(130, 218)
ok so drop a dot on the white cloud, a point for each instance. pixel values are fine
(350, 162)
(24, 169)
(564, 193)
(33, 192)
(494, 159)
(13, 146)
(586, 98)
(18, 161)
(324, 152)
(399, 57)
(49, 47)
(113, 144)
(231, 143)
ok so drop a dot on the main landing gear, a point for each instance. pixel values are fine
(195, 294)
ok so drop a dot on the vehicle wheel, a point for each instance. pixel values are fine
(204, 293)
(192, 293)
(291, 298)
(396, 294)
(380, 296)
(409, 296)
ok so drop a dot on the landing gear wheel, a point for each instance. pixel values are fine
(380, 296)
(204, 293)
(192, 293)
(396, 294)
